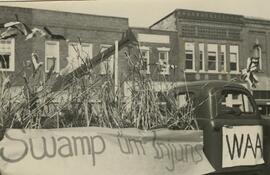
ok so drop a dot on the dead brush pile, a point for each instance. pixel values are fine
(91, 100)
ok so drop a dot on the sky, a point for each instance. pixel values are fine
(143, 13)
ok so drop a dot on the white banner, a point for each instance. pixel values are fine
(242, 145)
(102, 151)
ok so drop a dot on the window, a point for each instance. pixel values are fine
(184, 103)
(259, 55)
(163, 56)
(79, 53)
(183, 99)
(7, 55)
(235, 103)
(189, 51)
(223, 58)
(201, 49)
(86, 51)
(234, 58)
(73, 55)
(52, 55)
(212, 57)
(107, 66)
(145, 60)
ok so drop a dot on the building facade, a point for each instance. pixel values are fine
(217, 46)
(185, 45)
(85, 34)
(160, 52)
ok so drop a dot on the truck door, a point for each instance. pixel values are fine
(233, 138)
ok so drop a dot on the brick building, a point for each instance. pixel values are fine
(191, 45)
(95, 33)
(217, 45)
(160, 52)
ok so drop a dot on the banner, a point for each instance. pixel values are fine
(242, 145)
(102, 151)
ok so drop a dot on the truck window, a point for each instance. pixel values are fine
(234, 103)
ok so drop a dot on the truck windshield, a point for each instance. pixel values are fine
(234, 103)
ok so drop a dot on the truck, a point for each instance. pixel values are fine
(235, 136)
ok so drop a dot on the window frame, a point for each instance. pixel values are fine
(80, 47)
(11, 57)
(102, 64)
(147, 49)
(166, 51)
(90, 47)
(201, 52)
(188, 94)
(223, 50)
(192, 45)
(237, 58)
(57, 63)
(216, 57)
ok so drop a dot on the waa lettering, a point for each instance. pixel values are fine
(240, 146)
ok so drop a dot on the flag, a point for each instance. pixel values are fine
(248, 74)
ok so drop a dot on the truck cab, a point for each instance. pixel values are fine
(231, 123)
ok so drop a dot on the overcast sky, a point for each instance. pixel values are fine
(143, 13)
